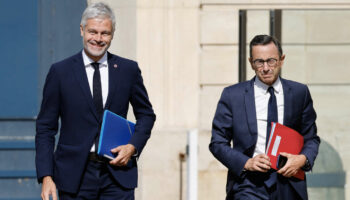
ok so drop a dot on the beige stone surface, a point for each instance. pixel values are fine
(332, 107)
(188, 53)
(168, 4)
(168, 48)
(152, 57)
(212, 184)
(209, 98)
(324, 193)
(316, 26)
(250, 73)
(273, 1)
(219, 65)
(294, 67)
(258, 22)
(317, 64)
(219, 26)
(206, 160)
(212, 174)
(160, 165)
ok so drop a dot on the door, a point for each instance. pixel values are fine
(34, 34)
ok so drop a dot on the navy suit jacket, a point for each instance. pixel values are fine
(67, 97)
(235, 121)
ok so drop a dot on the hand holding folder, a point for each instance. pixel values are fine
(284, 139)
(115, 131)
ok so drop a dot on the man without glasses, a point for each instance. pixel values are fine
(77, 91)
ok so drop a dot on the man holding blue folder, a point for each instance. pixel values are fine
(77, 91)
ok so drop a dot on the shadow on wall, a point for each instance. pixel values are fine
(327, 179)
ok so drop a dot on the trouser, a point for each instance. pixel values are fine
(253, 187)
(98, 184)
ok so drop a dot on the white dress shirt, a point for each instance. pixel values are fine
(104, 77)
(262, 97)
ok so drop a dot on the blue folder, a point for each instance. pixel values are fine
(115, 131)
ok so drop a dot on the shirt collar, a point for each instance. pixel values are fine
(87, 60)
(277, 85)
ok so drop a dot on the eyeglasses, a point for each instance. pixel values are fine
(271, 62)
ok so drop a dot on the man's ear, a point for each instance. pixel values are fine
(251, 62)
(282, 59)
(81, 31)
(112, 36)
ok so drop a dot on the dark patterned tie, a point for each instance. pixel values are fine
(97, 97)
(272, 114)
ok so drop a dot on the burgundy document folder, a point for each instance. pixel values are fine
(284, 139)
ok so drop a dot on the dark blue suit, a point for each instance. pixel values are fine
(235, 121)
(67, 97)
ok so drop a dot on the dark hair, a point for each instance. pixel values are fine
(263, 40)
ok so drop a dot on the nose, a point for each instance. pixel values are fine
(98, 37)
(266, 67)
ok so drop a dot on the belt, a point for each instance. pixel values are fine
(93, 156)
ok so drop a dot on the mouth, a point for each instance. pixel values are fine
(97, 45)
(266, 75)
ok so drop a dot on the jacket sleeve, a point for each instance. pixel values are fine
(309, 129)
(143, 112)
(220, 144)
(47, 126)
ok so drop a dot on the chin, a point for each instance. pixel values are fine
(268, 81)
(96, 53)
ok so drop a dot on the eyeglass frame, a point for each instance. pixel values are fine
(267, 61)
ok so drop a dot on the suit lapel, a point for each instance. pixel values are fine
(113, 77)
(81, 77)
(249, 101)
(288, 102)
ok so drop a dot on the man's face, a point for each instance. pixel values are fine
(266, 62)
(97, 36)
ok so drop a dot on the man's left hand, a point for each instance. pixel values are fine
(294, 163)
(124, 154)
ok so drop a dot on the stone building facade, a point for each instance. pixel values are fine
(188, 52)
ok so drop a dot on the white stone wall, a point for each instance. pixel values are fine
(188, 52)
(317, 48)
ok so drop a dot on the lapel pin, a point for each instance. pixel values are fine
(115, 65)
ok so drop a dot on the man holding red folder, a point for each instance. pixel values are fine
(244, 115)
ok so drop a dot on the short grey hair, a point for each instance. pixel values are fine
(98, 10)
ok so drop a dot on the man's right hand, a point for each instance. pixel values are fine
(260, 163)
(48, 188)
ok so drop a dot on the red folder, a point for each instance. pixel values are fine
(284, 139)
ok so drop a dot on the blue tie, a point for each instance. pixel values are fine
(272, 114)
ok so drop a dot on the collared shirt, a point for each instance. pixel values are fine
(104, 77)
(103, 72)
(262, 97)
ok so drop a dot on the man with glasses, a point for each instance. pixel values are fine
(244, 115)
